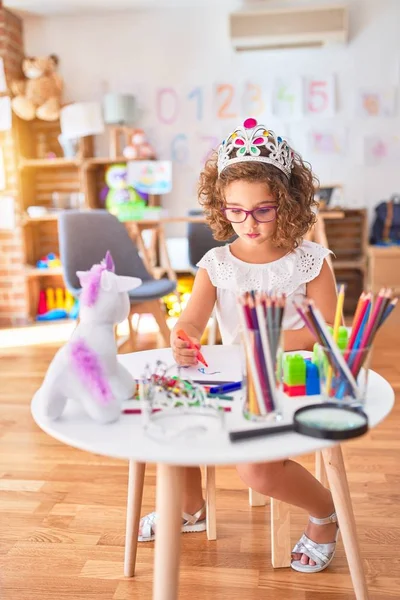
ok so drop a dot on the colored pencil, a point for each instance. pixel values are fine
(334, 351)
(357, 324)
(388, 311)
(367, 321)
(336, 325)
(261, 317)
(257, 400)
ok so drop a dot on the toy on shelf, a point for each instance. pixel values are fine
(49, 261)
(39, 94)
(86, 369)
(121, 199)
(138, 147)
(56, 304)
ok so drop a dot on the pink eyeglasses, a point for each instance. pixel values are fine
(263, 214)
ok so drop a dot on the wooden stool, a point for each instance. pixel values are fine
(280, 516)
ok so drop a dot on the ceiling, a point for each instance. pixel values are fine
(65, 7)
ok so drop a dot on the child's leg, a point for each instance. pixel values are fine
(192, 491)
(290, 482)
(192, 500)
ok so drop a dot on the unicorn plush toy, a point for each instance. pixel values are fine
(86, 369)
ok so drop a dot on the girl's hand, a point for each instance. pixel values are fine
(183, 354)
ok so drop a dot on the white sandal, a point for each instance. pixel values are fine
(191, 524)
(321, 554)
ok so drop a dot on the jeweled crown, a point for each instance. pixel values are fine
(247, 140)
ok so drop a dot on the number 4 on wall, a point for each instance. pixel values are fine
(319, 96)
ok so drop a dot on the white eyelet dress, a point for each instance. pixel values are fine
(288, 275)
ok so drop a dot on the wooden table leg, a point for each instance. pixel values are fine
(134, 505)
(211, 503)
(337, 478)
(256, 499)
(168, 532)
(320, 472)
(280, 534)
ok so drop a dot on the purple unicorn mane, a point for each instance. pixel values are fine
(91, 286)
(88, 367)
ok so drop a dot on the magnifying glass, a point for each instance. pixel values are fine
(327, 421)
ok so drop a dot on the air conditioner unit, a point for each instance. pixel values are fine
(290, 27)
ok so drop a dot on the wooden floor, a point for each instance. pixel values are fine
(62, 513)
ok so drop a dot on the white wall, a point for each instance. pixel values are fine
(138, 52)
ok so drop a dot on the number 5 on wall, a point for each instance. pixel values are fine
(320, 96)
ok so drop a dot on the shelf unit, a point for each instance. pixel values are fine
(348, 240)
(38, 178)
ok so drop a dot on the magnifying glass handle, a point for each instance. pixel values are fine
(247, 434)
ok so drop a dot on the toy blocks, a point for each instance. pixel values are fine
(312, 379)
(294, 375)
(300, 376)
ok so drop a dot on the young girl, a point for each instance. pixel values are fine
(258, 188)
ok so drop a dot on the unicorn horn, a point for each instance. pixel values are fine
(109, 262)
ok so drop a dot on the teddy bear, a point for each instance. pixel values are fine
(39, 94)
(138, 148)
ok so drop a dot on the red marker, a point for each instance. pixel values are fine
(185, 338)
(137, 411)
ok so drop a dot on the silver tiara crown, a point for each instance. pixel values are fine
(247, 140)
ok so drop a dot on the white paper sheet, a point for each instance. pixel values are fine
(224, 364)
(5, 113)
(3, 83)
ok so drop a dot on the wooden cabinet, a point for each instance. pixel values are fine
(348, 240)
(384, 268)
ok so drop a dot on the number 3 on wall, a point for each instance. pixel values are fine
(253, 102)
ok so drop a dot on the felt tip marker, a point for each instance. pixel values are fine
(185, 338)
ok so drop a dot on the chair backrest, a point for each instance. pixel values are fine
(200, 239)
(85, 237)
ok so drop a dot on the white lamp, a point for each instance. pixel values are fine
(119, 109)
(81, 119)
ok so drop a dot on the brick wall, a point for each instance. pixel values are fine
(13, 301)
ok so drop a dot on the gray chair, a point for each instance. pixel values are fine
(200, 241)
(85, 237)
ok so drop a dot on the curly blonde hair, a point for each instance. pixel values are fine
(295, 196)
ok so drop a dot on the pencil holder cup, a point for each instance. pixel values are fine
(346, 381)
(261, 377)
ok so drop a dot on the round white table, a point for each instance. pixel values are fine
(126, 439)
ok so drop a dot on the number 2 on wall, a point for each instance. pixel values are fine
(225, 95)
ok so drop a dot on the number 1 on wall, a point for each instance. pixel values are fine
(197, 94)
